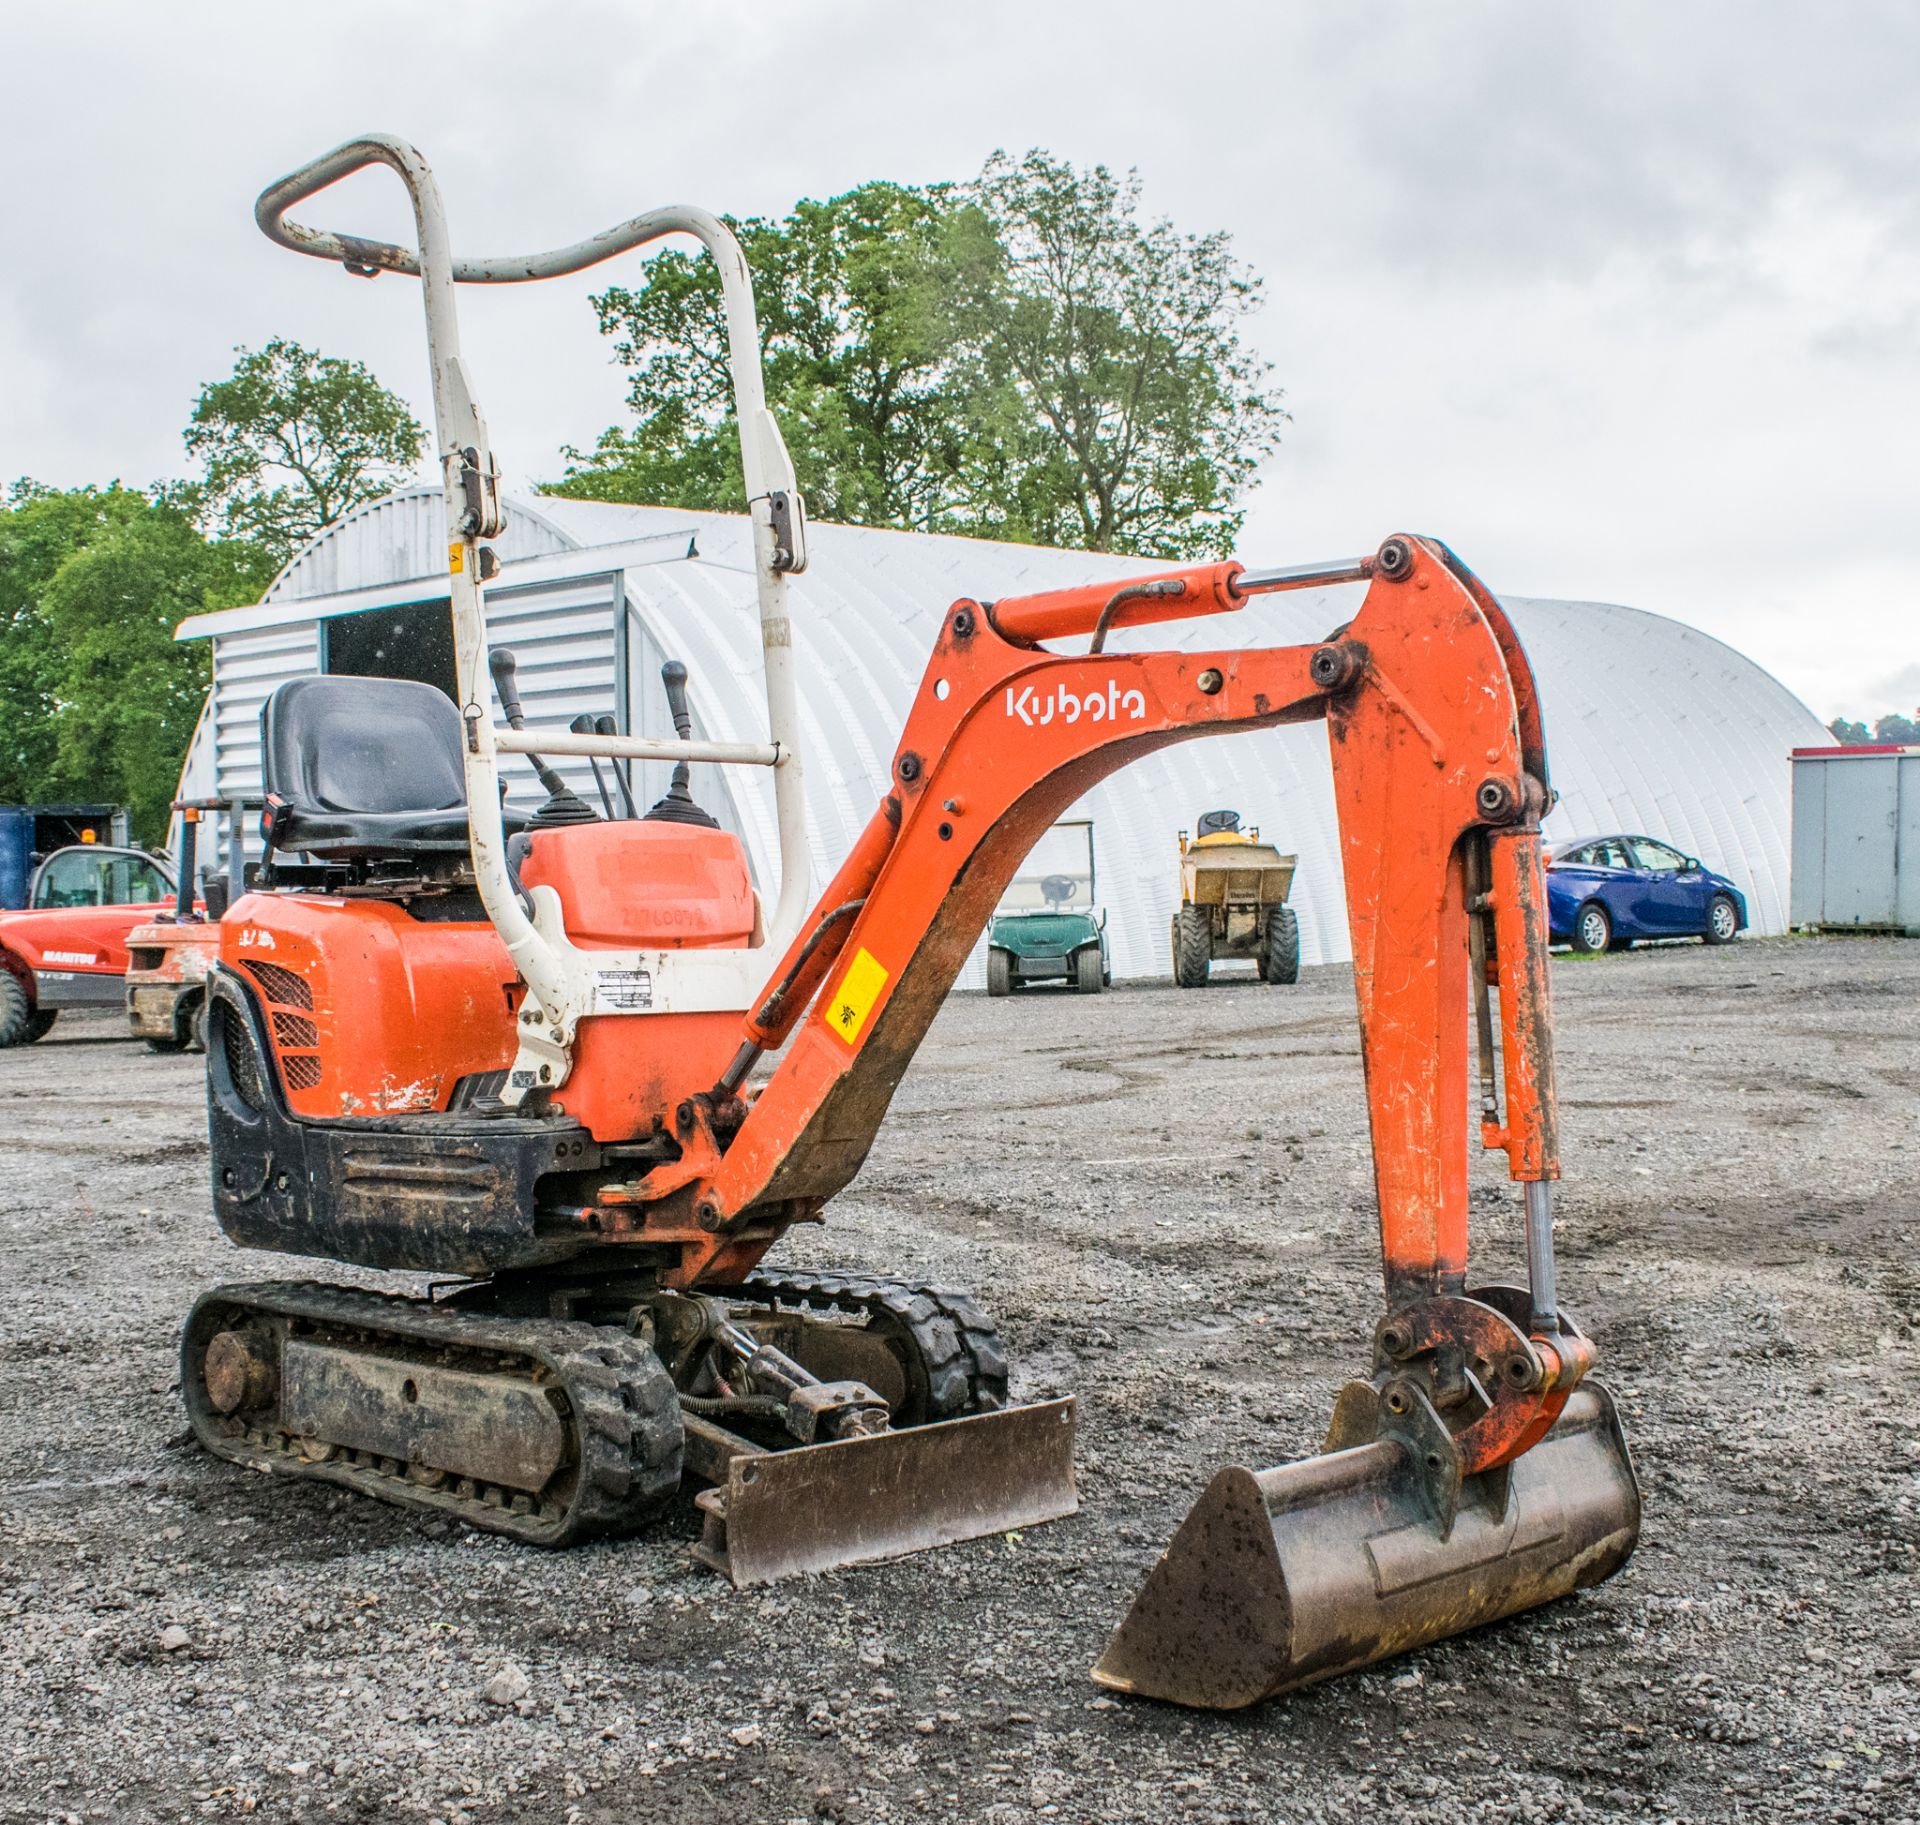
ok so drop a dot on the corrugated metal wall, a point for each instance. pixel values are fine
(1652, 726)
(403, 535)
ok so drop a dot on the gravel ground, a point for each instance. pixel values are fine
(1165, 1199)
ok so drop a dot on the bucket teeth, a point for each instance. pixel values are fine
(1282, 1577)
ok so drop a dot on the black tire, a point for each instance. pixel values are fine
(189, 1027)
(1280, 955)
(999, 971)
(1192, 947)
(42, 1024)
(1086, 970)
(19, 1024)
(1592, 929)
(1723, 920)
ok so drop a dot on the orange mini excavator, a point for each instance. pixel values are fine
(524, 1054)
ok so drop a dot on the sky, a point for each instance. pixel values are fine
(1621, 301)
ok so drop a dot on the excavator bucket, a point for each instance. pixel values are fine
(1282, 1577)
(817, 1507)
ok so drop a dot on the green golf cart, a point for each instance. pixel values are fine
(1049, 927)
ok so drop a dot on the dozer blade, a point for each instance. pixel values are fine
(1282, 1577)
(815, 1507)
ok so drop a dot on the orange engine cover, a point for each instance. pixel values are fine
(646, 886)
(373, 1012)
(370, 1011)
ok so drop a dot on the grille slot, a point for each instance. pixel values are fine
(300, 1069)
(295, 1032)
(281, 985)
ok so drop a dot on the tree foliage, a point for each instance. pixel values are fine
(1119, 409)
(1892, 727)
(98, 700)
(1024, 357)
(855, 304)
(291, 440)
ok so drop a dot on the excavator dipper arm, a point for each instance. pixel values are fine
(1439, 781)
(1470, 1475)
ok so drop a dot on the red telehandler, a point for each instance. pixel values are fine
(529, 1055)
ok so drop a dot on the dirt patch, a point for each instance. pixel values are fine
(1166, 1200)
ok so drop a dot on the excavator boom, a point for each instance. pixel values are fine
(1460, 1485)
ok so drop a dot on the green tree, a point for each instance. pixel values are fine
(1022, 357)
(1893, 727)
(129, 694)
(97, 702)
(40, 529)
(291, 440)
(1116, 406)
(855, 298)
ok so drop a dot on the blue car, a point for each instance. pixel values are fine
(1603, 892)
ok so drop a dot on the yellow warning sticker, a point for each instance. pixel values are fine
(456, 559)
(853, 1000)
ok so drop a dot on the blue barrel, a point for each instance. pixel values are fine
(16, 846)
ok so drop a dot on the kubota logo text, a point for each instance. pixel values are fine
(1035, 710)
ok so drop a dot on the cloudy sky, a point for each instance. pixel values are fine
(1623, 301)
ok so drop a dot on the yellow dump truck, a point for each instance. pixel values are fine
(1233, 903)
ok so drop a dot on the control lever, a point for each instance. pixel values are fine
(502, 664)
(583, 724)
(622, 769)
(677, 806)
(562, 807)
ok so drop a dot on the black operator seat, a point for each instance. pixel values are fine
(366, 767)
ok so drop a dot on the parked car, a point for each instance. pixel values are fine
(68, 948)
(1604, 892)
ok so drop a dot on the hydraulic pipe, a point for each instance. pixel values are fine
(1204, 589)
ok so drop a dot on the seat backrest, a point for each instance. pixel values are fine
(1217, 823)
(362, 745)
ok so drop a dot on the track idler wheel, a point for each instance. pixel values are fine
(1382, 1544)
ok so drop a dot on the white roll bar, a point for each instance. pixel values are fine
(474, 514)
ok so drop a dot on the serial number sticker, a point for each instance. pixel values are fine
(622, 991)
(853, 1000)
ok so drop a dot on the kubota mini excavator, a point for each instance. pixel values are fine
(522, 1053)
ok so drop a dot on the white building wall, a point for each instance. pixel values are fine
(1652, 727)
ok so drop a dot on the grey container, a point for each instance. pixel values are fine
(1856, 840)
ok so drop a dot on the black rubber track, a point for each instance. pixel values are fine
(622, 1414)
(961, 1360)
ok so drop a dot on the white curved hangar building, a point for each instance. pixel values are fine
(1652, 726)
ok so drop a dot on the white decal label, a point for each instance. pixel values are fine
(72, 957)
(622, 991)
(1037, 711)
